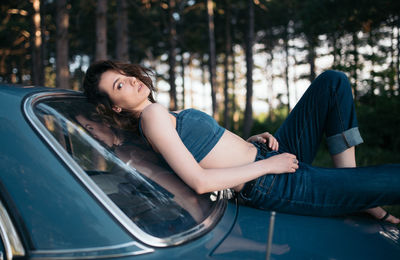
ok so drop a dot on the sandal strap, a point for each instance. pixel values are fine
(385, 217)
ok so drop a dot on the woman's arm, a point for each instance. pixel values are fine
(159, 130)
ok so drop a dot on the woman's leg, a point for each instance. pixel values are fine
(347, 159)
(326, 108)
(329, 191)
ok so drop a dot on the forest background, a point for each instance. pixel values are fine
(223, 52)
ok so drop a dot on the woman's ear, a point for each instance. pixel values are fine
(117, 109)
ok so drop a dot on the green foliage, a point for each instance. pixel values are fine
(379, 120)
(269, 122)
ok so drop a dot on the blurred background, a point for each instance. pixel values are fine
(246, 62)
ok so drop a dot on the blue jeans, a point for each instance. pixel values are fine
(326, 108)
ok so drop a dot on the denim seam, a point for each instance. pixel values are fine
(272, 184)
(302, 130)
(338, 111)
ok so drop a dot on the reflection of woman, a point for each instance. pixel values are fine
(135, 154)
(265, 171)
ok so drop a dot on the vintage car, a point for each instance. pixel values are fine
(72, 186)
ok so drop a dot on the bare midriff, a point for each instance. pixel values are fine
(230, 151)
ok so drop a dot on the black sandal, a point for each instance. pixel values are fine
(385, 217)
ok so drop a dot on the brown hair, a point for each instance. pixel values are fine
(124, 120)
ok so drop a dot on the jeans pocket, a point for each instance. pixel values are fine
(262, 189)
(272, 184)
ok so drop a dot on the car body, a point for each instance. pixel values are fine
(67, 195)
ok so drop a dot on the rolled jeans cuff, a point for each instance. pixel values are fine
(340, 142)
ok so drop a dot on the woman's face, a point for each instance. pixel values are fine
(98, 130)
(127, 93)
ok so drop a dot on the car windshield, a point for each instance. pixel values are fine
(126, 169)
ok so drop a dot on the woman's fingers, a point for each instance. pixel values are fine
(261, 139)
(265, 138)
(257, 138)
(273, 143)
(293, 163)
(284, 163)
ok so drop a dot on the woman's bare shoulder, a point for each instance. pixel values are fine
(153, 110)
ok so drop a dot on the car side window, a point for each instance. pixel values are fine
(126, 169)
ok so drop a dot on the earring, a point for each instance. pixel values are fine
(117, 109)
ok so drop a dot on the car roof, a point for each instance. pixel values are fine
(22, 91)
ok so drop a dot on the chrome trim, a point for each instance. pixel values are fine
(177, 239)
(121, 250)
(12, 243)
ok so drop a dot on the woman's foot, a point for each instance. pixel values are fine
(383, 215)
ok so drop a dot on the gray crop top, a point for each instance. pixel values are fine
(197, 130)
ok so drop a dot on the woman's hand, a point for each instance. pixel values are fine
(282, 163)
(265, 138)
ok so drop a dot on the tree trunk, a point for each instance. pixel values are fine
(183, 80)
(270, 87)
(228, 47)
(335, 49)
(248, 113)
(286, 45)
(212, 57)
(101, 30)
(234, 113)
(62, 23)
(398, 53)
(37, 56)
(354, 71)
(172, 56)
(372, 85)
(392, 80)
(45, 60)
(19, 69)
(203, 80)
(311, 56)
(190, 82)
(122, 48)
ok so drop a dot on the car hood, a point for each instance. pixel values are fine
(304, 237)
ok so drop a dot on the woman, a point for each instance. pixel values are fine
(135, 153)
(264, 170)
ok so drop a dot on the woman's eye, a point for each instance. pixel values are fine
(119, 86)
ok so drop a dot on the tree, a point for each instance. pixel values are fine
(37, 55)
(62, 23)
(398, 53)
(212, 58)
(101, 30)
(228, 47)
(248, 113)
(122, 47)
(173, 104)
(15, 41)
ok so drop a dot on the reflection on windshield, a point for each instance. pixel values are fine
(132, 175)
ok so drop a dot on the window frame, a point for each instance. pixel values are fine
(12, 243)
(206, 225)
